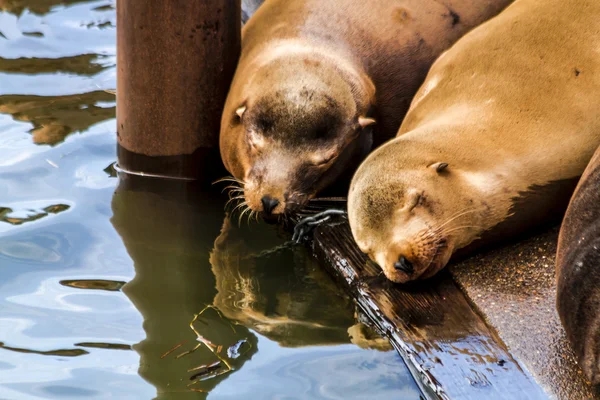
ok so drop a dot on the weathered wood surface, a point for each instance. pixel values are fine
(450, 350)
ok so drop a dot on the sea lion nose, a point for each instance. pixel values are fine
(269, 204)
(404, 265)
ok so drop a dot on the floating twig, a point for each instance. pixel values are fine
(189, 351)
(173, 349)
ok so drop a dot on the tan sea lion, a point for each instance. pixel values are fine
(494, 142)
(315, 75)
(578, 271)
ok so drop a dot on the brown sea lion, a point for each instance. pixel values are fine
(315, 75)
(493, 144)
(578, 271)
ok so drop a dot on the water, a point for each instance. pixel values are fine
(101, 277)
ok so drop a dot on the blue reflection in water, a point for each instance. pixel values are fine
(100, 277)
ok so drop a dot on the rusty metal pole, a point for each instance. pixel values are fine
(175, 61)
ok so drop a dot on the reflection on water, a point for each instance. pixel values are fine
(94, 284)
(40, 7)
(134, 288)
(59, 353)
(168, 237)
(55, 117)
(111, 346)
(85, 64)
(9, 215)
(285, 297)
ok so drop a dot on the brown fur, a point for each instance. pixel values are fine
(511, 108)
(310, 69)
(578, 271)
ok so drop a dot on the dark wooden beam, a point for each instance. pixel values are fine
(175, 63)
(448, 347)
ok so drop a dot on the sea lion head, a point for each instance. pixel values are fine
(409, 207)
(293, 128)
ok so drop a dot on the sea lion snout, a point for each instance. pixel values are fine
(273, 188)
(401, 261)
(404, 265)
(269, 204)
(396, 219)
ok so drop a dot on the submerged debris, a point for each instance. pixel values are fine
(205, 370)
(233, 352)
(173, 349)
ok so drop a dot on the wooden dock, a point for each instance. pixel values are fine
(486, 328)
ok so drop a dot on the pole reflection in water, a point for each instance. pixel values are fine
(168, 228)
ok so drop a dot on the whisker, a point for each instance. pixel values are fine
(461, 227)
(438, 247)
(233, 199)
(242, 214)
(460, 214)
(242, 204)
(229, 179)
(250, 216)
(233, 188)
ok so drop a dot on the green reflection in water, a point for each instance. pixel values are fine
(107, 346)
(39, 7)
(285, 297)
(94, 284)
(100, 25)
(33, 34)
(5, 214)
(84, 64)
(59, 353)
(169, 230)
(56, 117)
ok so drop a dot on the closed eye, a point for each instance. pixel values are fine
(414, 201)
(325, 160)
(255, 140)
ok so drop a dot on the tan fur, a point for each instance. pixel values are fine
(511, 107)
(318, 70)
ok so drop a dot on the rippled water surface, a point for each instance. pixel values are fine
(101, 277)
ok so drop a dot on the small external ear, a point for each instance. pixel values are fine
(240, 111)
(439, 167)
(364, 121)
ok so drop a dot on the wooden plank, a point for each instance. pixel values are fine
(450, 350)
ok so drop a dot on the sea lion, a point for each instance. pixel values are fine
(319, 83)
(493, 144)
(578, 271)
